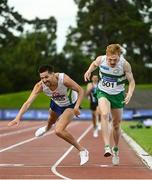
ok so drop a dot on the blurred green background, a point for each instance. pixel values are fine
(98, 24)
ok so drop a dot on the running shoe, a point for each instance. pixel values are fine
(95, 133)
(40, 131)
(115, 158)
(107, 151)
(84, 156)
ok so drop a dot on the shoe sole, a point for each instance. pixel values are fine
(108, 154)
(116, 164)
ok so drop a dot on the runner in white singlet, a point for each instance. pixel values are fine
(65, 99)
(114, 70)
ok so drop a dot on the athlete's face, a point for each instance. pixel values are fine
(47, 78)
(112, 60)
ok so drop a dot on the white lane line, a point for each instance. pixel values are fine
(53, 168)
(19, 131)
(24, 142)
(25, 125)
(122, 166)
(31, 139)
(141, 153)
(11, 165)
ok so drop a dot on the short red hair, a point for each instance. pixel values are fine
(113, 49)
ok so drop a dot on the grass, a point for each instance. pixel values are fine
(15, 100)
(144, 86)
(141, 135)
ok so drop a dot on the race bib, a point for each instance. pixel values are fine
(58, 97)
(108, 82)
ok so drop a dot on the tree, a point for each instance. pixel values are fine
(101, 22)
(22, 53)
(49, 26)
(11, 21)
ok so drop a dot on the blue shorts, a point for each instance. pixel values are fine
(59, 110)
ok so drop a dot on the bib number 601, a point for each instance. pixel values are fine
(107, 84)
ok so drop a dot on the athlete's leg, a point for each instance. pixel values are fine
(98, 118)
(116, 119)
(61, 131)
(94, 118)
(104, 106)
(95, 125)
(51, 119)
(93, 107)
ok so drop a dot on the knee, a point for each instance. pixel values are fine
(116, 125)
(105, 116)
(58, 131)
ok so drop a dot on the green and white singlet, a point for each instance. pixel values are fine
(112, 80)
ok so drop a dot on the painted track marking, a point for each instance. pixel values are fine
(29, 140)
(53, 168)
(19, 131)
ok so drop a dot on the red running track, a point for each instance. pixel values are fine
(23, 156)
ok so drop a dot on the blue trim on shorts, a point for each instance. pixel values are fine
(58, 109)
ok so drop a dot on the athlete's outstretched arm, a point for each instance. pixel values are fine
(91, 68)
(35, 92)
(131, 80)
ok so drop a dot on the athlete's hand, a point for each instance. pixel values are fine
(76, 112)
(87, 76)
(14, 122)
(127, 98)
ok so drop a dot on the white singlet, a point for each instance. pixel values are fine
(112, 80)
(62, 96)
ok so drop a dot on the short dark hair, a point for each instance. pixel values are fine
(46, 67)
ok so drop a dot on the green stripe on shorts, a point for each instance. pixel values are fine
(116, 101)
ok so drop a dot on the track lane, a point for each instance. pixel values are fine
(36, 156)
(100, 167)
(34, 160)
(15, 134)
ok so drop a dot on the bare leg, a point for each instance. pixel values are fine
(51, 119)
(116, 117)
(98, 118)
(104, 106)
(61, 125)
(94, 119)
(95, 125)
